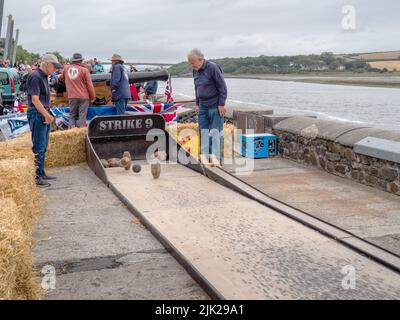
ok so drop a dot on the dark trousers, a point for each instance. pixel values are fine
(40, 139)
(211, 125)
(78, 112)
(121, 105)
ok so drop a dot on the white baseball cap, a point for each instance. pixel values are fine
(51, 58)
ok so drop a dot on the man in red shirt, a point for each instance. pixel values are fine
(80, 90)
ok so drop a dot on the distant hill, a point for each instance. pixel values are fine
(325, 62)
(389, 60)
(390, 65)
(379, 56)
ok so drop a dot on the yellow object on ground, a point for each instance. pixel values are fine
(193, 146)
(187, 135)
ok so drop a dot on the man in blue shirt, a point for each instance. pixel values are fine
(119, 84)
(39, 115)
(98, 67)
(211, 94)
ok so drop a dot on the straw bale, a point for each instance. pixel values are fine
(17, 148)
(66, 148)
(17, 181)
(17, 278)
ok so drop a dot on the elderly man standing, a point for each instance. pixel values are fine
(80, 90)
(119, 84)
(39, 115)
(211, 95)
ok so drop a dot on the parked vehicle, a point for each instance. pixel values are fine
(10, 82)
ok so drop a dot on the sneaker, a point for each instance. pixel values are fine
(46, 177)
(42, 183)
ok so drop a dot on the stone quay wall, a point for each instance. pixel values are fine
(330, 146)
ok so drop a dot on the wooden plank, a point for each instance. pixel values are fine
(242, 248)
(382, 256)
(241, 121)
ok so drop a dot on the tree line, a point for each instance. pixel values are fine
(324, 62)
(30, 57)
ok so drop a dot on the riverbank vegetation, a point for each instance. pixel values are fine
(300, 64)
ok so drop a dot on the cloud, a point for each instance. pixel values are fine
(164, 31)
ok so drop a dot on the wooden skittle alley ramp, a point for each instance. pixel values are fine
(237, 247)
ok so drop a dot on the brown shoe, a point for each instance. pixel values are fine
(204, 161)
(215, 162)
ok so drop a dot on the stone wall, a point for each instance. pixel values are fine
(329, 155)
(328, 145)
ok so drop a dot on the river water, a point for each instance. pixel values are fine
(375, 106)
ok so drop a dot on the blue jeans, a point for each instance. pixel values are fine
(121, 106)
(40, 139)
(211, 125)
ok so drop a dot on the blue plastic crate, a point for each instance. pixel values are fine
(262, 145)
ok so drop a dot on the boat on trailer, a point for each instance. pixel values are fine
(101, 84)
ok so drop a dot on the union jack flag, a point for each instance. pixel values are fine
(167, 110)
(168, 91)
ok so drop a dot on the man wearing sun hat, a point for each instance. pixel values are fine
(39, 115)
(119, 84)
(80, 90)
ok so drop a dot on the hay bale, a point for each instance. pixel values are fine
(17, 278)
(66, 148)
(20, 207)
(12, 238)
(17, 181)
(17, 148)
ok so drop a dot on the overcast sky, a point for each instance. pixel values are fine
(164, 30)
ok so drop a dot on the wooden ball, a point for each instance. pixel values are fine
(136, 168)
